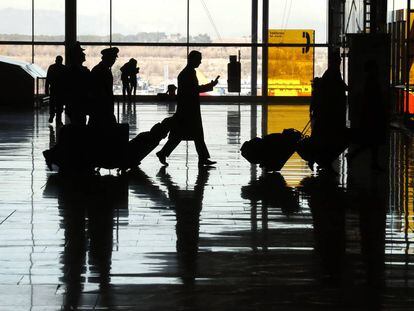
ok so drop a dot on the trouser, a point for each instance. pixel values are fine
(126, 90)
(200, 145)
(55, 108)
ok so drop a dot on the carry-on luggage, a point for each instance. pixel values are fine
(273, 150)
(323, 150)
(109, 145)
(145, 142)
(84, 148)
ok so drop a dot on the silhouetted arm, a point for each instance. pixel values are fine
(209, 86)
(205, 87)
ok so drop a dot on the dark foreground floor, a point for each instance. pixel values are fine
(180, 238)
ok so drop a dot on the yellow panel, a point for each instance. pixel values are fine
(290, 69)
(412, 49)
(280, 117)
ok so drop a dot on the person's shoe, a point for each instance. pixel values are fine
(206, 162)
(162, 158)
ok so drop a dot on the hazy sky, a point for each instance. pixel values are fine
(225, 18)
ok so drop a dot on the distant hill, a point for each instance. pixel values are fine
(48, 22)
(15, 24)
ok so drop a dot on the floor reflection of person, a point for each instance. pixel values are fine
(187, 205)
(87, 210)
(326, 202)
(188, 122)
(333, 210)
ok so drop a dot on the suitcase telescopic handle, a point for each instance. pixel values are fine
(306, 128)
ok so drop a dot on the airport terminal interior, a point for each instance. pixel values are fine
(238, 234)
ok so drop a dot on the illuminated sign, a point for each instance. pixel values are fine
(291, 69)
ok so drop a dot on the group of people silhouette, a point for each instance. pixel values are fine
(129, 73)
(90, 93)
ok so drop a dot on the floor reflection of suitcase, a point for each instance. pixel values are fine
(273, 150)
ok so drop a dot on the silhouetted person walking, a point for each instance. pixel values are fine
(133, 77)
(102, 110)
(78, 81)
(55, 88)
(188, 123)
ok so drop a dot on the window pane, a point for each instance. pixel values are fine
(396, 5)
(220, 21)
(149, 21)
(159, 66)
(16, 20)
(18, 52)
(354, 15)
(93, 20)
(49, 20)
(45, 55)
(214, 63)
(321, 61)
(300, 14)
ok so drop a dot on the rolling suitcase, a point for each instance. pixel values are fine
(273, 150)
(323, 151)
(145, 142)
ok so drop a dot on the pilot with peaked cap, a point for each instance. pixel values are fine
(102, 110)
(78, 85)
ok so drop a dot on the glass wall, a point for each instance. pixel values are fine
(45, 55)
(220, 21)
(156, 34)
(18, 52)
(93, 20)
(16, 20)
(49, 20)
(300, 14)
(158, 67)
(149, 21)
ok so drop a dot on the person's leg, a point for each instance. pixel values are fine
(129, 91)
(201, 148)
(124, 90)
(165, 151)
(59, 111)
(52, 108)
(202, 151)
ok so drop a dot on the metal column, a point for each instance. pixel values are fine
(265, 50)
(254, 48)
(70, 27)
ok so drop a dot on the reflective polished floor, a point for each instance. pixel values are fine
(224, 238)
